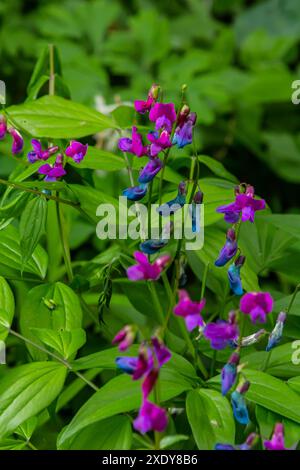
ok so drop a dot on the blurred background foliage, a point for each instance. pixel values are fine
(238, 58)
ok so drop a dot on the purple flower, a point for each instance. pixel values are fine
(234, 275)
(162, 353)
(144, 270)
(150, 170)
(127, 364)
(143, 106)
(276, 334)
(150, 418)
(144, 363)
(277, 441)
(239, 405)
(257, 305)
(53, 172)
(189, 310)
(125, 337)
(229, 373)
(3, 127)
(229, 249)
(221, 333)
(38, 153)
(18, 141)
(133, 145)
(76, 151)
(244, 205)
(136, 193)
(184, 133)
(159, 142)
(164, 115)
(149, 382)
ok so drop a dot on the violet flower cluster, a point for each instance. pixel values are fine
(170, 129)
(241, 210)
(75, 150)
(152, 356)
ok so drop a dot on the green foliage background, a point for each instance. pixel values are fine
(239, 60)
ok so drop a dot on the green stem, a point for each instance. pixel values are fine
(204, 279)
(156, 302)
(64, 242)
(15, 185)
(54, 356)
(31, 446)
(213, 363)
(172, 297)
(52, 70)
(293, 298)
(267, 361)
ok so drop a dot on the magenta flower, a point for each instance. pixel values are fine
(38, 153)
(53, 172)
(76, 151)
(18, 142)
(150, 170)
(162, 353)
(3, 127)
(150, 418)
(229, 249)
(125, 337)
(184, 132)
(144, 270)
(189, 310)
(257, 305)
(159, 143)
(164, 115)
(245, 206)
(143, 106)
(277, 441)
(133, 145)
(222, 333)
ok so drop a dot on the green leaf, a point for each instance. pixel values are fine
(98, 159)
(13, 203)
(56, 117)
(27, 390)
(168, 441)
(66, 343)
(217, 168)
(210, 417)
(32, 226)
(273, 394)
(288, 223)
(7, 307)
(91, 198)
(113, 433)
(280, 363)
(41, 69)
(11, 258)
(51, 306)
(119, 395)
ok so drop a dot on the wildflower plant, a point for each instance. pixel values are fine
(145, 345)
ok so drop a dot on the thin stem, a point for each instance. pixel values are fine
(54, 356)
(15, 185)
(52, 70)
(162, 177)
(31, 446)
(149, 208)
(64, 242)
(172, 297)
(204, 279)
(293, 298)
(267, 361)
(213, 363)
(156, 301)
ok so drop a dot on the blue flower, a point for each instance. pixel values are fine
(229, 373)
(239, 405)
(229, 249)
(135, 193)
(276, 334)
(127, 364)
(234, 275)
(175, 204)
